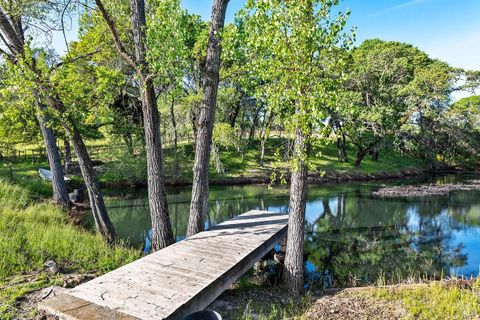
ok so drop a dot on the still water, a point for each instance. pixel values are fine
(351, 236)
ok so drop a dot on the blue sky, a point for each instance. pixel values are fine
(446, 29)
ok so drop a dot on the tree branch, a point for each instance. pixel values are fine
(10, 37)
(63, 25)
(74, 59)
(116, 37)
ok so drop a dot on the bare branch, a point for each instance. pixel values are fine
(63, 25)
(74, 59)
(116, 38)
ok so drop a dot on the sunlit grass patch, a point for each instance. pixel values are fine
(32, 233)
(437, 300)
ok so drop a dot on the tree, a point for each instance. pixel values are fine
(13, 37)
(162, 235)
(203, 139)
(35, 69)
(379, 74)
(429, 96)
(295, 47)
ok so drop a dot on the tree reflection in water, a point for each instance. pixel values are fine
(353, 238)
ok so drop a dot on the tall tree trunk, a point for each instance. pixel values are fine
(251, 135)
(68, 156)
(199, 203)
(344, 147)
(99, 211)
(176, 167)
(293, 275)
(339, 149)
(234, 113)
(264, 135)
(60, 193)
(162, 235)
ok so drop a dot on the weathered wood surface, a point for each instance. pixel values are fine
(178, 280)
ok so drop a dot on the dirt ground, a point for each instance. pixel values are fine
(256, 303)
(352, 305)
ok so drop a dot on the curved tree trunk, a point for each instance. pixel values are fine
(60, 194)
(362, 153)
(99, 211)
(293, 275)
(199, 203)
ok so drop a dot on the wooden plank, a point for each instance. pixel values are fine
(182, 278)
(68, 307)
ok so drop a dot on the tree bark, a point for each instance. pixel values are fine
(199, 203)
(176, 167)
(99, 211)
(362, 153)
(162, 235)
(293, 275)
(265, 135)
(13, 37)
(68, 156)
(344, 147)
(60, 194)
(251, 135)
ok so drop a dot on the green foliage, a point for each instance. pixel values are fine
(225, 136)
(123, 166)
(296, 49)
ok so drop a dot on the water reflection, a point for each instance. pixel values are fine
(352, 237)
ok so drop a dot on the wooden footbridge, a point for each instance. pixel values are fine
(178, 280)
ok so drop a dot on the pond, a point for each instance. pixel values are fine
(352, 237)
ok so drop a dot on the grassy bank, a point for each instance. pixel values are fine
(32, 233)
(439, 300)
(122, 168)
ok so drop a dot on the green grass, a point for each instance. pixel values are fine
(437, 300)
(123, 168)
(293, 309)
(25, 175)
(32, 233)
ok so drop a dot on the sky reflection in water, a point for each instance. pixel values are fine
(352, 236)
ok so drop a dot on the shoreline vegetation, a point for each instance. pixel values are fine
(40, 246)
(125, 170)
(453, 298)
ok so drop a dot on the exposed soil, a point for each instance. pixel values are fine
(345, 304)
(425, 190)
(350, 304)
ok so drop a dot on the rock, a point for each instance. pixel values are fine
(51, 266)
